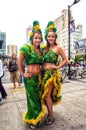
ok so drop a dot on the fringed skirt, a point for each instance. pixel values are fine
(51, 77)
(35, 111)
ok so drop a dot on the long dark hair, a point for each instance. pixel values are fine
(47, 47)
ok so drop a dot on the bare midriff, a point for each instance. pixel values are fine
(47, 66)
(34, 69)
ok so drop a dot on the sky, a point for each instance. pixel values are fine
(17, 15)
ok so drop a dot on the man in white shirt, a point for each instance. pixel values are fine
(2, 90)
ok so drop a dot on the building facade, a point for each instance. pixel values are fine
(61, 24)
(2, 43)
(12, 49)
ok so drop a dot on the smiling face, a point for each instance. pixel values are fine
(51, 37)
(37, 39)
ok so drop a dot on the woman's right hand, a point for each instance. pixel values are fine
(27, 75)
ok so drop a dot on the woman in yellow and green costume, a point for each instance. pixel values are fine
(51, 77)
(31, 54)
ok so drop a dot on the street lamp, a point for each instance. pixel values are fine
(69, 6)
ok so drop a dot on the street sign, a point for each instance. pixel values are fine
(80, 44)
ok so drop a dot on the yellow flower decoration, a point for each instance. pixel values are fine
(51, 26)
(37, 27)
(31, 34)
(43, 45)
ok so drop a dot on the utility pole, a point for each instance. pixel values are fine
(69, 6)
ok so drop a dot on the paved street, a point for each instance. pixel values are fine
(6, 78)
(70, 114)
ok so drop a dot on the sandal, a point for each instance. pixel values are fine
(46, 118)
(49, 120)
(33, 127)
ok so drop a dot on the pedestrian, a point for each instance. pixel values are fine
(31, 53)
(13, 69)
(3, 93)
(1, 100)
(51, 77)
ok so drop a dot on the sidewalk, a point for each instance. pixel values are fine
(70, 114)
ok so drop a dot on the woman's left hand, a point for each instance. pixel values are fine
(57, 67)
(54, 66)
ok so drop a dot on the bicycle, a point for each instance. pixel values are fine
(65, 72)
(79, 71)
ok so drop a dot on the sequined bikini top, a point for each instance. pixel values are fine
(50, 56)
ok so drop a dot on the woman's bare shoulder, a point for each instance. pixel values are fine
(60, 48)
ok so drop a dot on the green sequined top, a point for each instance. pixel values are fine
(50, 56)
(30, 56)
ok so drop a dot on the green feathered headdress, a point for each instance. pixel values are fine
(35, 28)
(50, 26)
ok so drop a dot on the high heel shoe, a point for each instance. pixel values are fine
(49, 120)
(33, 127)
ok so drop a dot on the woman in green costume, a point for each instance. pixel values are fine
(51, 77)
(32, 55)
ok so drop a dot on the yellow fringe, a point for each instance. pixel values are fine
(49, 81)
(55, 103)
(34, 121)
(57, 86)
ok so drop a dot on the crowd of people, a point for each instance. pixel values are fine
(42, 79)
(12, 67)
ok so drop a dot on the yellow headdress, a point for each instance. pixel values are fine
(49, 27)
(35, 28)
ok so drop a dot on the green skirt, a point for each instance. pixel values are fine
(35, 111)
(51, 77)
